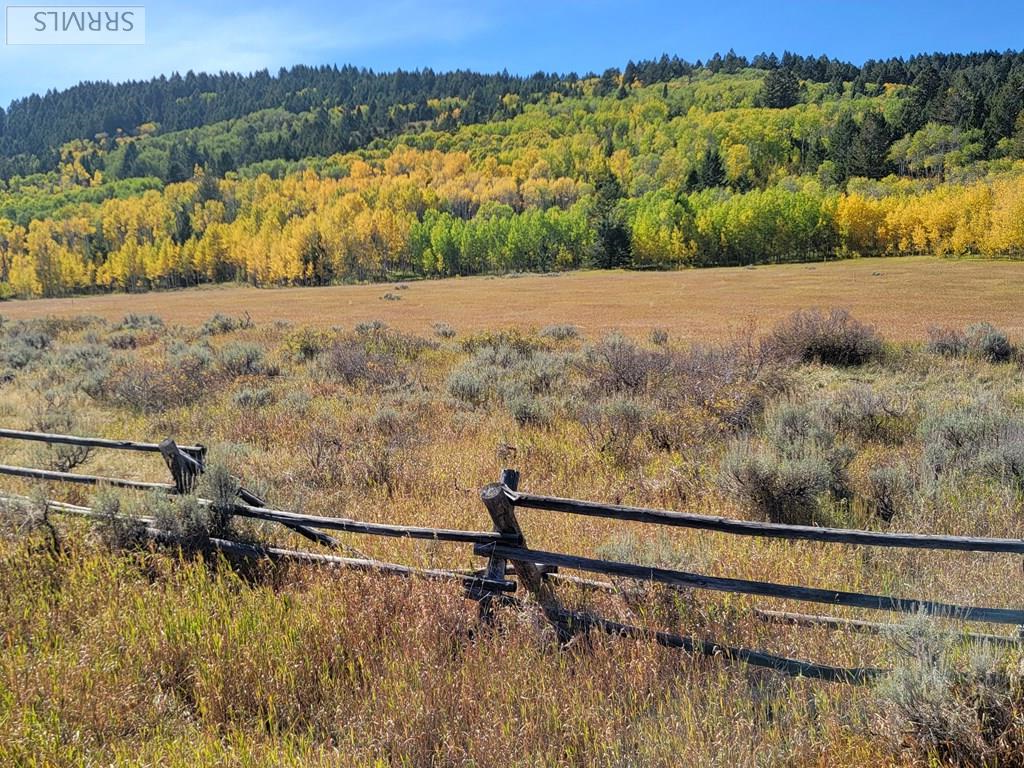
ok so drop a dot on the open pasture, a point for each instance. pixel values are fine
(902, 296)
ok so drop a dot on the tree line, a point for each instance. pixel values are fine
(412, 215)
(730, 167)
(344, 108)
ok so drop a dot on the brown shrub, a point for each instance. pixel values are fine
(834, 339)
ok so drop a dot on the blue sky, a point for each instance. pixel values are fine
(523, 36)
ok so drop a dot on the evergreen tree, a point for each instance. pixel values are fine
(710, 171)
(130, 161)
(868, 153)
(840, 145)
(612, 244)
(781, 89)
(177, 165)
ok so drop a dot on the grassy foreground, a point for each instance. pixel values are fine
(116, 653)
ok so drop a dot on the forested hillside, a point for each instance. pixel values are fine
(321, 175)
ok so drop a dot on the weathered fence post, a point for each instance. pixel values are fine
(496, 566)
(185, 468)
(531, 576)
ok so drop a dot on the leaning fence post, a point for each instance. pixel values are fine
(496, 566)
(503, 515)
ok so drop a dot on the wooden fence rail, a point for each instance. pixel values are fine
(257, 552)
(767, 530)
(33, 473)
(759, 588)
(506, 550)
(871, 627)
(92, 442)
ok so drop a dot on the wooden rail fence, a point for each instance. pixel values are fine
(538, 571)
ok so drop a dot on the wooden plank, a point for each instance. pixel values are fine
(278, 554)
(788, 666)
(306, 531)
(581, 583)
(287, 555)
(869, 627)
(769, 530)
(760, 588)
(372, 529)
(505, 523)
(90, 442)
(275, 515)
(57, 506)
(70, 477)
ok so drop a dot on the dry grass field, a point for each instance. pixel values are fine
(118, 652)
(902, 296)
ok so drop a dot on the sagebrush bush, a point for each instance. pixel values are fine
(18, 353)
(946, 341)
(150, 386)
(530, 410)
(799, 458)
(509, 374)
(781, 489)
(659, 337)
(220, 324)
(616, 364)
(443, 331)
(731, 381)
(377, 338)
(188, 523)
(982, 341)
(560, 332)
(468, 386)
(980, 437)
(866, 414)
(794, 431)
(1003, 459)
(542, 372)
(349, 362)
(945, 704)
(987, 342)
(117, 529)
(305, 344)
(522, 342)
(123, 340)
(239, 358)
(616, 426)
(191, 356)
(85, 356)
(889, 489)
(833, 339)
(250, 397)
(134, 322)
